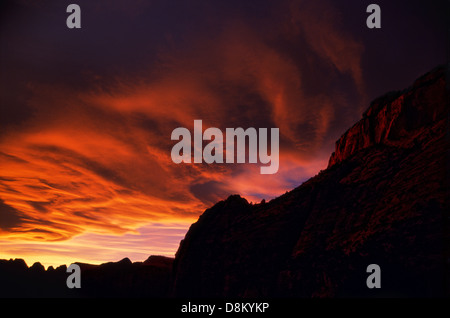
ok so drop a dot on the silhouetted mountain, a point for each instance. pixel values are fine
(112, 279)
(37, 268)
(158, 261)
(381, 200)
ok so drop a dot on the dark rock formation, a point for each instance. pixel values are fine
(37, 268)
(151, 278)
(382, 200)
(159, 261)
(127, 279)
(397, 118)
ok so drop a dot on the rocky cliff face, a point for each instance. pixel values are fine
(382, 200)
(396, 118)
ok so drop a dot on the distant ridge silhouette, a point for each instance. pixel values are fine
(150, 278)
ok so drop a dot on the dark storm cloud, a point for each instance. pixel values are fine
(9, 217)
(38, 206)
(209, 192)
(411, 41)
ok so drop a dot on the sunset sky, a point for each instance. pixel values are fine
(86, 114)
